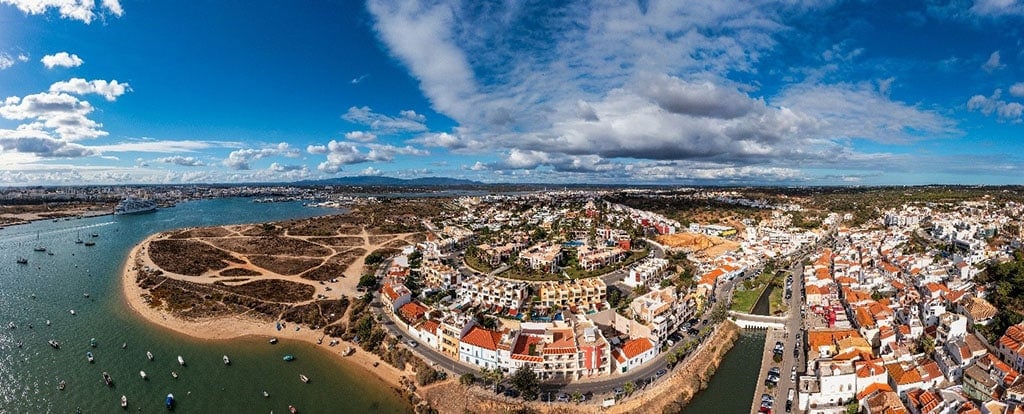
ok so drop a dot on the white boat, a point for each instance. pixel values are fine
(149, 355)
(124, 401)
(54, 344)
(89, 357)
(72, 311)
(266, 394)
(226, 360)
(143, 374)
(181, 361)
(304, 378)
(133, 205)
(174, 374)
(47, 322)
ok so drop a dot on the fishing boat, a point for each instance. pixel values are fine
(349, 350)
(266, 394)
(61, 385)
(88, 356)
(169, 402)
(143, 375)
(92, 342)
(226, 360)
(149, 355)
(107, 380)
(272, 341)
(304, 378)
(90, 243)
(95, 235)
(39, 247)
(78, 238)
(174, 374)
(54, 344)
(289, 357)
(124, 402)
(181, 361)
(22, 260)
(292, 409)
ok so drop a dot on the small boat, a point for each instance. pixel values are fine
(72, 312)
(181, 361)
(90, 243)
(304, 378)
(88, 356)
(47, 322)
(124, 402)
(107, 380)
(289, 357)
(54, 344)
(92, 342)
(78, 238)
(174, 374)
(226, 360)
(39, 248)
(149, 355)
(85, 295)
(11, 325)
(169, 402)
(124, 345)
(22, 260)
(272, 341)
(266, 394)
(320, 341)
(292, 409)
(349, 350)
(143, 375)
(61, 385)
(95, 235)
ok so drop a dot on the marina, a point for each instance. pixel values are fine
(31, 295)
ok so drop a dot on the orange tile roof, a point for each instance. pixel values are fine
(869, 369)
(636, 347)
(430, 326)
(817, 339)
(873, 388)
(412, 311)
(903, 376)
(390, 291)
(483, 338)
(864, 319)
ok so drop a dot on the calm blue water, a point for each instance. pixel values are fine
(29, 374)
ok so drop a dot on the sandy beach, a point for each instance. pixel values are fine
(226, 328)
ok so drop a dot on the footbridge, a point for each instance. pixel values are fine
(748, 321)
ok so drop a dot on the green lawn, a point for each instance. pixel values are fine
(775, 302)
(744, 300)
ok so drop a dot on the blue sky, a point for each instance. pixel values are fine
(783, 92)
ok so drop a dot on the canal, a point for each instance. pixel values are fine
(732, 386)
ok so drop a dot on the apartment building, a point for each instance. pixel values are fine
(490, 291)
(593, 257)
(578, 294)
(648, 271)
(437, 275)
(543, 257)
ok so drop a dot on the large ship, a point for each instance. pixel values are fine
(132, 205)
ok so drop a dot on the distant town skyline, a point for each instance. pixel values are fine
(719, 93)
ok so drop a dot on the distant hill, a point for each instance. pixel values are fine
(367, 181)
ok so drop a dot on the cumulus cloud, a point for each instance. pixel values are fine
(62, 59)
(61, 113)
(82, 10)
(6, 60)
(340, 154)
(275, 167)
(371, 171)
(40, 144)
(1003, 109)
(241, 159)
(992, 64)
(1017, 89)
(360, 136)
(407, 121)
(78, 86)
(182, 161)
(163, 146)
(997, 7)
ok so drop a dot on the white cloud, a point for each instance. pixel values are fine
(360, 136)
(1004, 110)
(360, 79)
(22, 57)
(182, 161)
(992, 64)
(109, 90)
(1017, 89)
(241, 159)
(316, 149)
(408, 121)
(62, 59)
(340, 154)
(163, 146)
(6, 61)
(370, 171)
(997, 7)
(83, 10)
(63, 114)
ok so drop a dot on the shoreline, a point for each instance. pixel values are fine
(234, 327)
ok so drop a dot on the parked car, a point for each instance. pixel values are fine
(661, 372)
(619, 391)
(562, 397)
(511, 392)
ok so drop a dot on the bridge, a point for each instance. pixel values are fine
(748, 321)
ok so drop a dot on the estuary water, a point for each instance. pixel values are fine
(85, 279)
